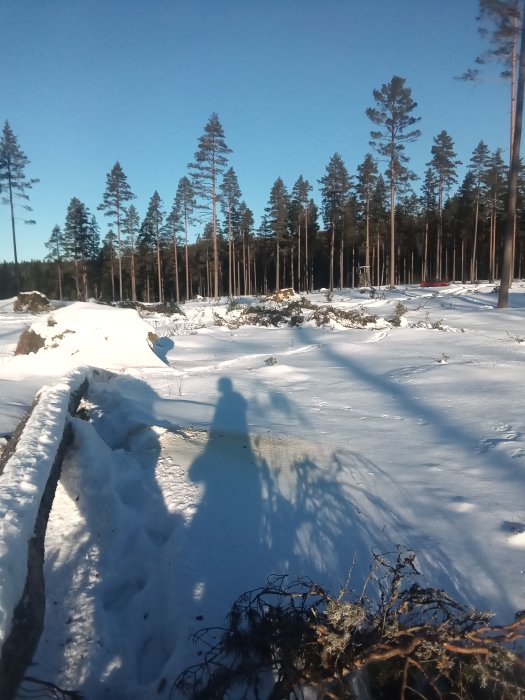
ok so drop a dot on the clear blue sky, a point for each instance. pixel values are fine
(85, 83)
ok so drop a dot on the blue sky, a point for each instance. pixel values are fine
(85, 83)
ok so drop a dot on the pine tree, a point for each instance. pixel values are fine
(299, 214)
(478, 167)
(500, 22)
(503, 22)
(230, 199)
(335, 189)
(429, 204)
(444, 165)
(184, 205)
(467, 201)
(76, 243)
(54, 246)
(246, 225)
(108, 253)
(366, 179)
(495, 181)
(507, 264)
(153, 227)
(131, 228)
(117, 193)
(393, 116)
(277, 221)
(209, 164)
(13, 162)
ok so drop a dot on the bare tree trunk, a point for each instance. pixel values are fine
(475, 242)
(59, 281)
(367, 224)
(378, 277)
(277, 265)
(392, 228)
(425, 255)
(506, 266)
(11, 205)
(159, 273)
(439, 244)
(332, 244)
(299, 258)
(306, 269)
(186, 257)
(176, 268)
(341, 262)
(119, 255)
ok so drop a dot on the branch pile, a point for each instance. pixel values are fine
(415, 642)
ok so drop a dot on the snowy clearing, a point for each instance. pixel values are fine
(233, 453)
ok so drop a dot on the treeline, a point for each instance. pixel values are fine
(370, 227)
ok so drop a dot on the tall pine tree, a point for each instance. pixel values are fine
(184, 206)
(13, 162)
(131, 228)
(76, 243)
(366, 179)
(393, 116)
(335, 189)
(117, 193)
(277, 220)
(209, 164)
(230, 199)
(54, 246)
(153, 225)
(444, 166)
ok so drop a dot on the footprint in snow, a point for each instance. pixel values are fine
(117, 597)
(505, 435)
(151, 660)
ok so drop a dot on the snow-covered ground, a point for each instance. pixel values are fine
(235, 453)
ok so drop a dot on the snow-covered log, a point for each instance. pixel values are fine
(29, 473)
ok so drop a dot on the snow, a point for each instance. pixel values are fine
(203, 467)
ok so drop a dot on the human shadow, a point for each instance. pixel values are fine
(225, 537)
(269, 505)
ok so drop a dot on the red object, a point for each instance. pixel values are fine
(435, 283)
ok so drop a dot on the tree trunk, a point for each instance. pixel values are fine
(332, 244)
(392, 224)
(119, 256)
(59, 281)
(506, 265)
(176, 265)
(186, 258)
(17, 271)
(475, 242)
(133, 278)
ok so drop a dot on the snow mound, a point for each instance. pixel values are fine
(89, 334)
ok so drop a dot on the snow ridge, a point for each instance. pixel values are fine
(23, 482)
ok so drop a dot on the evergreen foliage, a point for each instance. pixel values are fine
(13, 163)
(393, 116)
(277, 212)
(209, 164)
(114, 199)
(335, 191)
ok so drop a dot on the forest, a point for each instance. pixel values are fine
(342, 243)
(380, 225)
